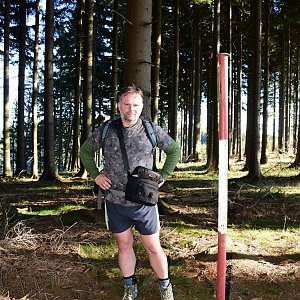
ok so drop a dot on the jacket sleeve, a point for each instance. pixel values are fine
(87, 155)
(172, 158)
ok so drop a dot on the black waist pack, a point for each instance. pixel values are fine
(142, 186)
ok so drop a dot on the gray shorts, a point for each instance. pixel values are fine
(144, 218)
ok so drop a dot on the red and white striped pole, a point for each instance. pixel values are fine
(223, 176)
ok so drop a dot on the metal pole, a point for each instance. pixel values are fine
(223, 176)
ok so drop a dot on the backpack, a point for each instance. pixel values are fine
(148, 125)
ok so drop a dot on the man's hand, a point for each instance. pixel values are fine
(103, 181)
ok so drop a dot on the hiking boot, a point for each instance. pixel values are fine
(166, 293)
(130, 292)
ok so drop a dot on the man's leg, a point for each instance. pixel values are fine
(126, 258)
(127, 263)
(159, 263)
(157, 256)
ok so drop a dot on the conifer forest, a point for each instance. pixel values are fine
(62, 64)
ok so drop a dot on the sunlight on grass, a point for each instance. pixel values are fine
(98, 252)
(267, 239)
(103, 260)
(53, 211)
(186, 229)
(193, 174)
(189, 288)
(62, 188)
(276, 171)
(184, 239)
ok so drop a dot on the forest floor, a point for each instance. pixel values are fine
(54, 244)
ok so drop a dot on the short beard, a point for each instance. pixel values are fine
(131, 121)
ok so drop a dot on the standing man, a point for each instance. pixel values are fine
(122, 214)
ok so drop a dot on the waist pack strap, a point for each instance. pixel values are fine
(113, 194)
(117, 193)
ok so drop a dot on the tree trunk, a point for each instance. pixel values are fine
(297, 158)
(87, 76)
(197, 87)
(137, 67)
(264, 146)
(58, 128)
(229, 51)
(50, 172)
(253, 141)
(77, 87)
(213, 162)
(281, 96)
(249, 109)
(34, 143)
(189, 112)
(239, 88)
(173, 108)
(274, 114)
(209, 120)
(185, 132)
(7, 172)
(189, 95)
(156, 42)
(114, 70)
(287, 95)
(236, 134)
(20, 167)
(67, 147)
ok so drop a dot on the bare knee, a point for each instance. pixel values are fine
(153, 247)
(125, 246)
(124, 242)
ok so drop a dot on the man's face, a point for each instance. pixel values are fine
(130, 109)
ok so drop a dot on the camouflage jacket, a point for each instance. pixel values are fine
(139, 151)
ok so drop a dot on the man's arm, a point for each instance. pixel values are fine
(173, 155)
(87, 155)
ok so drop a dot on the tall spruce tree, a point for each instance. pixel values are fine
(50, 171)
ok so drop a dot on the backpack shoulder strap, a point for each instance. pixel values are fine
(149, 127)
(105, 128)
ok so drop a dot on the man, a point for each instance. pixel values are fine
(123, 214)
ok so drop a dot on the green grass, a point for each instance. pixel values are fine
(58, 210)
(68, 213)
(107, 250)
(268, 238)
